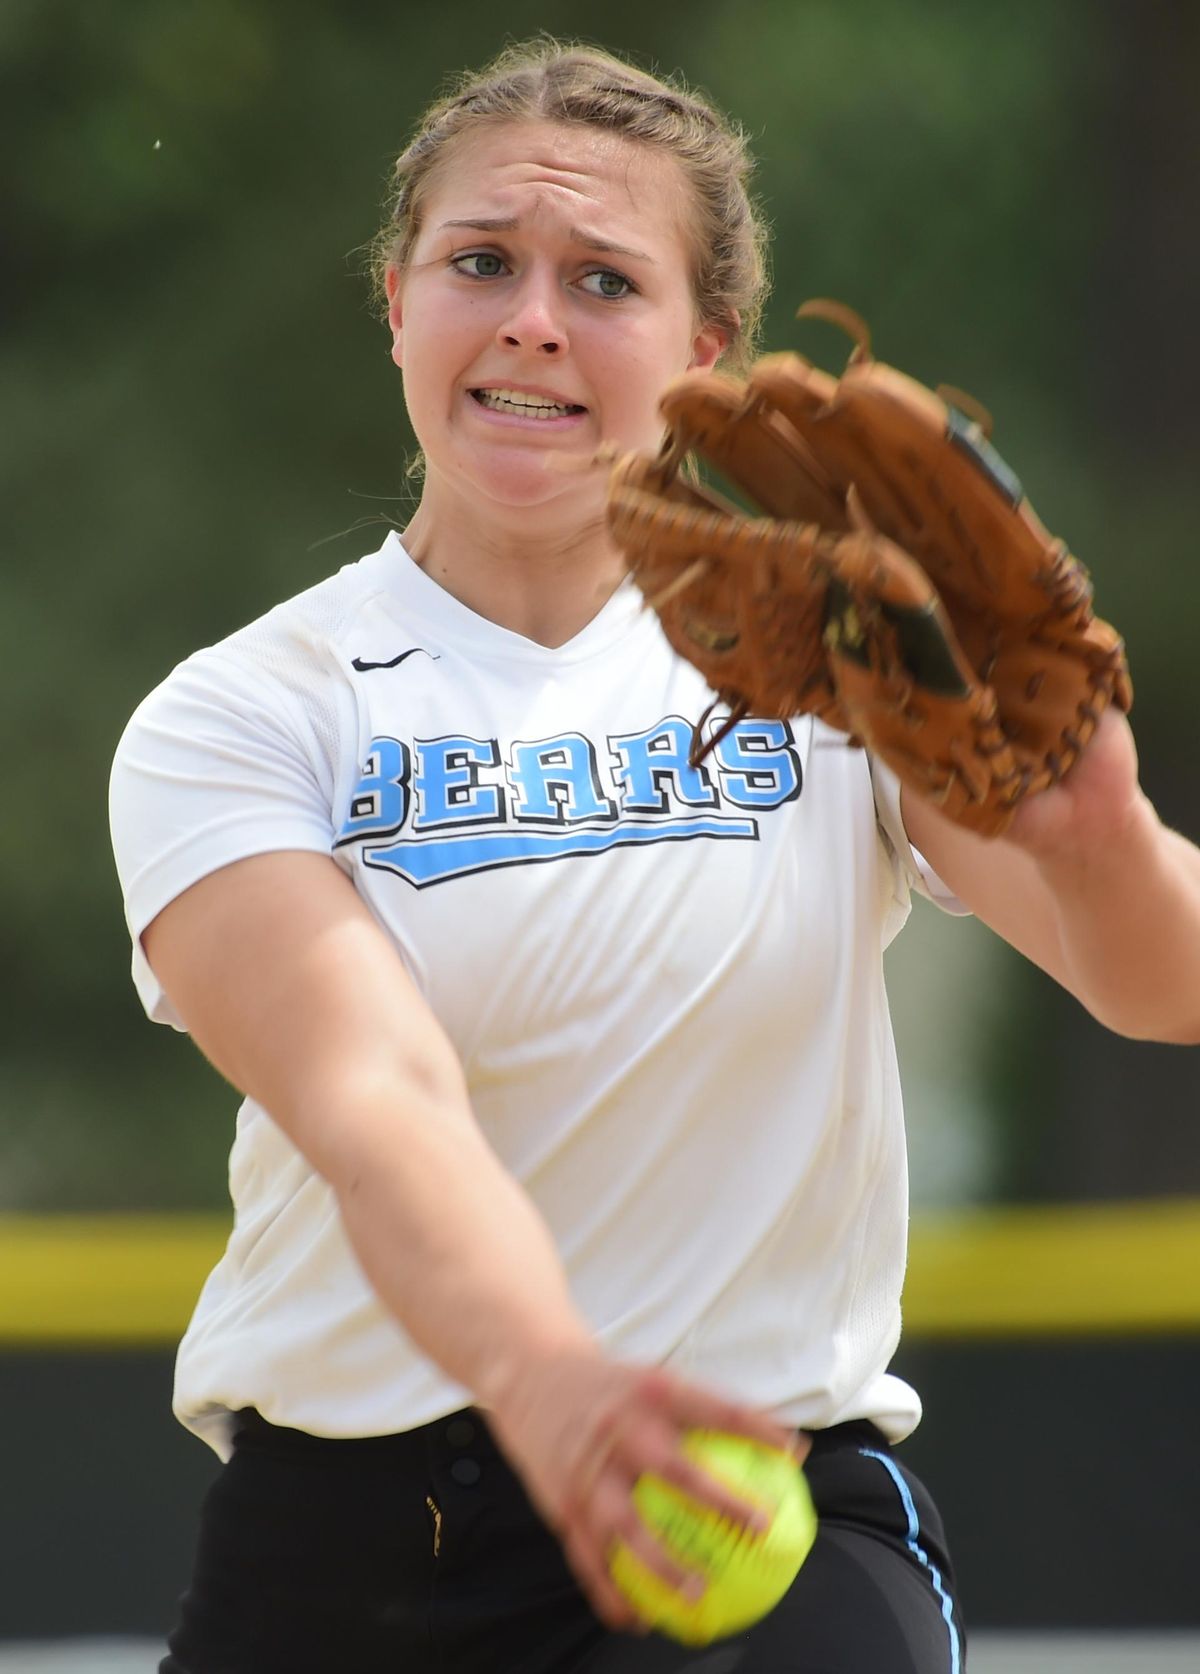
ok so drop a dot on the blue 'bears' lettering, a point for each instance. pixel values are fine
(759, 767)
(653, 766)
(447, 785)
(471, 811)
(556, 780)
(379, 802)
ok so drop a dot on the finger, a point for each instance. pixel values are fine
(642, 1450)
(701, 1409)
(627, 1525)
(654, 1556)
(653, 1448)
(710, 1491)
(608, 1443)
(611, 1510)
(590, 1569)
(757, 1426)
(652, 1442)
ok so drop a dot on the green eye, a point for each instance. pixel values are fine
(486, 264)
(608, 283)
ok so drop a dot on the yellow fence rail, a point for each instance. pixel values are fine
(112, 1281)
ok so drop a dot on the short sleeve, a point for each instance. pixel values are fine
(912, 870)
(216, 765)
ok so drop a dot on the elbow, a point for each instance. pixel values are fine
(348, 1122)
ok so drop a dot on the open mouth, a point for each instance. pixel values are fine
(524, 405)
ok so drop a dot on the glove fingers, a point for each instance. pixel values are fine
(664, 536)
(812, 404)
(746, 643)
(740, 600)
(1049, 713)
(908, 690)
(753, 447)
(939, 489)
(929, 481)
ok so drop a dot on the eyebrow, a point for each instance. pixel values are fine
(577, 235)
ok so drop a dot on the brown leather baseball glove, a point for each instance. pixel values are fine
(898, 584)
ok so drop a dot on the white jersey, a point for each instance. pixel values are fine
(664, 984)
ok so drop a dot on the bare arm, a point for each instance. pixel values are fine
(1091, 886)
(291, 989)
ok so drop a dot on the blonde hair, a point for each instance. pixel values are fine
(548, 80)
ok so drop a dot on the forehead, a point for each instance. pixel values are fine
(600, 180)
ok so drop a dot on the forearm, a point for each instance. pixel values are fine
(1128, 923)
(1091, 886)
(451, 1242)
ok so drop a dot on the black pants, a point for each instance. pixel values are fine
(421, 1554)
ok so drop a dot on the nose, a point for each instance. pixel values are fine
(535, 321)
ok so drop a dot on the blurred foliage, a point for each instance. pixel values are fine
(196, 401)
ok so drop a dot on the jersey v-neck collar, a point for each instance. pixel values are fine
(409, 588)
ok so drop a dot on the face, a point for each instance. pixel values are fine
(545, 305)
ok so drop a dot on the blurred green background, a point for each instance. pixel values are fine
(197, 405)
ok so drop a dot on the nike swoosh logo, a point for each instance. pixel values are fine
(365, 667)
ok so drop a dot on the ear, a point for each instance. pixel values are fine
(708, 346)
(392, 281)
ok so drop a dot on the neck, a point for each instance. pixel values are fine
(541, 573)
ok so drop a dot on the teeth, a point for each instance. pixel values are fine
(515, 401)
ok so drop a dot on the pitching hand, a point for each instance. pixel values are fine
(580, 1430)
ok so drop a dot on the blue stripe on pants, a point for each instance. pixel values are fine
(920, 1554)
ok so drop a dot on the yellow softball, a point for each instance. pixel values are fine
(745, 1574)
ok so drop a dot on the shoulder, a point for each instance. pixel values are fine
(263, 713)
(282, 664)
(308, 628)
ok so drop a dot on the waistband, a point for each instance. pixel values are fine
(469, 1428)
